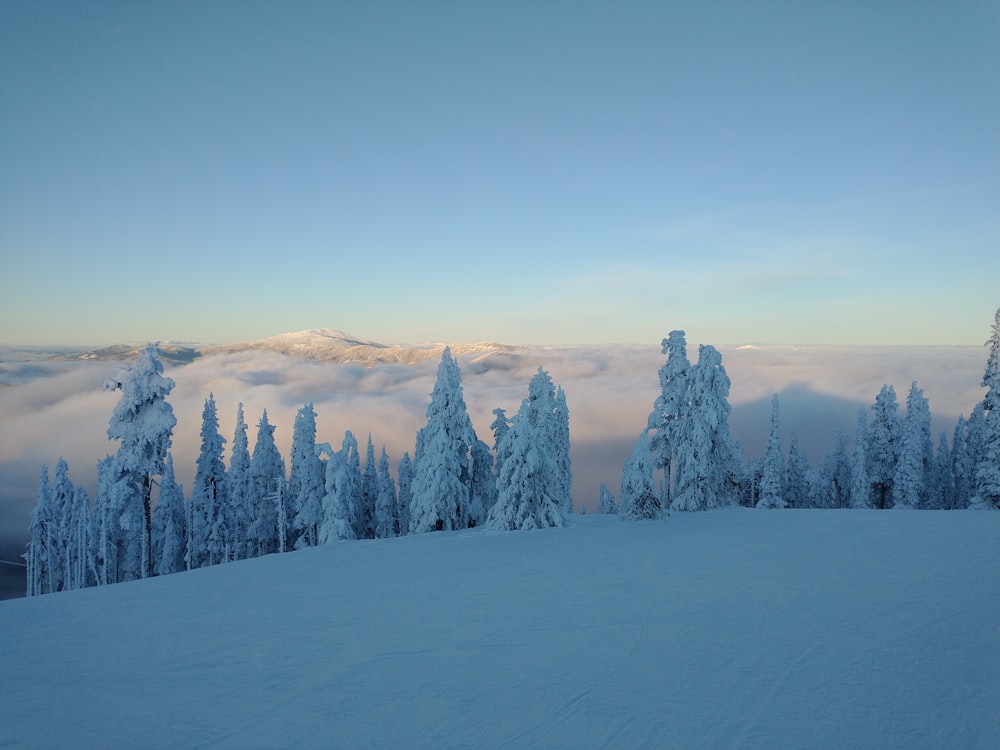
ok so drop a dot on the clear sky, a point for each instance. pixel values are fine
(528, 172)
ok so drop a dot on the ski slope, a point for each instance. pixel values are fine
(728, 629)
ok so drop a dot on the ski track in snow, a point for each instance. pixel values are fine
(727, 629)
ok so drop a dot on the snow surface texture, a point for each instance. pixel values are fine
(726, 629)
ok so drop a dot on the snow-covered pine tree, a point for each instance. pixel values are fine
(368, 498)
(835, 469)
(79, 547)
(638, 498)
(386, 521)
(550, 423)
(483, 489)
(443, 461)
(564, 468)
(606, 503)
(942, 486)
(499, 428)
(240, 490)
(861, 488)
(706, 460)
(44, 528)
(209, 508)
(524, 481)
(772, 491)
(267, 473)
(986, 459)
(916, 452)
(796, 487)
(405, 495)
(305, 481)
(882, 450)
(169, 524)
(665, 421)
(63, 493)
(961, 466)
(143, 421)
(342, 483)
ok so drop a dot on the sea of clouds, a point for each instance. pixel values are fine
(51, 408)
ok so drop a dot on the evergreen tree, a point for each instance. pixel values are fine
(916, 452)
(942, 486)
(796, 486)
(240, 490)
(835, 469)
(772, 493)
(443, 465)
(666, 420)
(961, 466)
(499, 427)
(861, 490)
(606, 504)
(305, 481)
(882, 450)
(706, 462)
(405, 495)
(267, 473)
(638, 498)
(366, 518)
(561, 440)
(523, 501)
(209, 508)
(386, 521)
(483, 490)
(986, 459)
(79, 547)
(143, 421)
(342, 483)
(44, 531)
(169, 524)
(61, 501)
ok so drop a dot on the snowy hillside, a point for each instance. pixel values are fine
(727, 629)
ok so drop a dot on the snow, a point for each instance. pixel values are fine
(725, 629)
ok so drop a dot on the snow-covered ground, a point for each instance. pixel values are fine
(728, 629)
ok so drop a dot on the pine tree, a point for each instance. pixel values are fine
(267, 473)
(405, 495)
(169, 524)
(240, 490)
(208, 513)
(561, 439)
(913, 465)
(638, 498)
(366, 518)
(79, 548)
(61, 501)
(305, 481)
(483, 490)
(706, 461)
(772, 491)
(796, 486)
(499, 428)
(342, 481)
(666, 420)
(942, 486)
(386, 521)
(443, 465)
(882, 450)
(524, 481)
(143, 421)
(606, 503)
(961, 466)
(43, 528)
(861, 489)
(986, 459)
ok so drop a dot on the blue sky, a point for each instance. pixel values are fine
(544, 172)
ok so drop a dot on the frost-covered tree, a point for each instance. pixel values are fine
(63, 494)
(267, 473)
(143, 422)
(705, 457)
(796, 471)
(368, 498)
(386, 521)
(961, 466)
(666, 419)
(342, 483)
(638, 498)
(405, 495)
(208, 507)
(882, 450)
(305, 481)
(561, 440)
(606, 503)
(43, 570)
(79, 547)
(523, 501)
(861, 493)
(169, 524)
(443, 460)
(942, 485)
(987, 456)
(483, 489)
(499, 428)
(916, 453)
(550, 422)
(835, 468)
(240, 489)
(772, 491)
